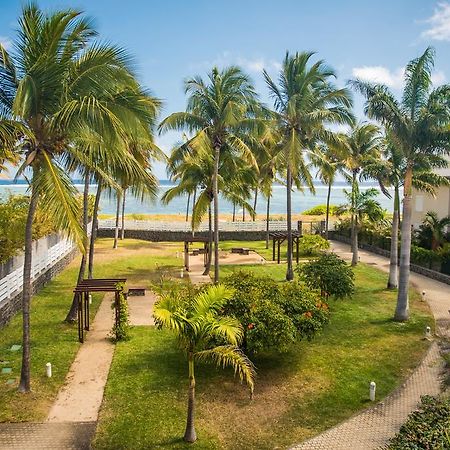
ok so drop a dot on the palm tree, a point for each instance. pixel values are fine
(219, 113)
(419, 126)
(199, 327)
(360, 206)
(62, 83)
(360, 148)
(435, 228)
(305, 101)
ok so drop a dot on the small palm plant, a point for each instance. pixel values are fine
(199, 327)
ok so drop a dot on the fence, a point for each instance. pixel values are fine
(257, 225)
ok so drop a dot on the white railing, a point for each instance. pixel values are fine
(43, 259)
(159, 225)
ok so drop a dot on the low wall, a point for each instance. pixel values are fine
(179, 236)
(438, 276)
(9, 307)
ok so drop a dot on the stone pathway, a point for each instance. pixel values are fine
(374, 427)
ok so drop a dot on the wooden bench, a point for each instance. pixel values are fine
(240, 250)
(136, 291)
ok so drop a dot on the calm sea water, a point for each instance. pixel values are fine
(300, 200)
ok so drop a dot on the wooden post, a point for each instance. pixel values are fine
(279, 245)
(300, 226)
(80, 318)
(297, 247)
(186, 256)
(273, 252)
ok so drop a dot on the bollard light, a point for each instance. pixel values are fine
(423, 295)
(90, 299)
(48, 368)
(178, 254)
(428, 332)
(372, 391)
(181, 273)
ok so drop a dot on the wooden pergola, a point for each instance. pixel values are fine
(82, 291)
(206, 249)
(278, 237)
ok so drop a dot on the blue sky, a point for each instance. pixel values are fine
(172, 40)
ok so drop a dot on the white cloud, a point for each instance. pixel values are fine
(438, 78)
(380, 74)
(439, 23)
(255, 65)
(5, 42)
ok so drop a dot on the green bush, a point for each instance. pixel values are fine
(320, 210)
(313, 244)
(274, 315)
(425, 257)
(329, 273)
(426, 428)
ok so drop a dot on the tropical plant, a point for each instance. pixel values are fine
(360, 206)
(220, 113)
(199, 327)
(432, 232)
(361, 147)
(305, 101)
(331, 274)
(313, 244)
(418, 125)
(59, 84)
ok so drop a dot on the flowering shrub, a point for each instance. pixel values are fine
(274, 315)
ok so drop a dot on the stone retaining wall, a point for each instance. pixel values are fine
(435, 275)
(179, 236)
(11, 306)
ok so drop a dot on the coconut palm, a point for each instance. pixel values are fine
(360, 148)
(434, 228)
(419, 126)
(219, 114)
(305, 101)
(199, 326)
(62, 82)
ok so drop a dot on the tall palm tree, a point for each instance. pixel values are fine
(219, 114)
(419, 126)
(361, 147)
(305, 100)
(62, 82)
(199, 326)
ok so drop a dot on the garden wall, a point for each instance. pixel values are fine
(179, 236)
(435, 275)
(51, 254)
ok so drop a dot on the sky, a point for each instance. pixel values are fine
(172, 40)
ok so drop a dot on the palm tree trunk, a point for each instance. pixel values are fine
(289, 271)
(25, 378)
(255, 203)
(243, 213)
(122, 228)
(94, 230)
(187, 207)
(193, 207)
(402, 309)
(210, 235)
(234, 212)
(190, 434)
(330, 182)
(216, 213)
(354, 229)
(116, 229)
(393, 266)
(267, 221)
(73, 310)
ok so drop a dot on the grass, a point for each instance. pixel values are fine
(56, 341)
(298, 394)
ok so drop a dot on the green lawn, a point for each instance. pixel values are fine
(298, 394)
(57, 342)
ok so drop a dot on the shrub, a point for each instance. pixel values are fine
(426, 428)
(329, 273)
(312, 244)
(425, 257)
(320, 210)
(273, 315)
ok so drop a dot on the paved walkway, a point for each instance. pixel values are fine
(374, 427)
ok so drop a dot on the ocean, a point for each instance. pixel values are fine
(300, 200)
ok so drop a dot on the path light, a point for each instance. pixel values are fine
(372, 390)
(48, 369)
(90, 299)
(181, 273)
(262, 260)
(178, 254)
(428, 332)
(423, 295)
